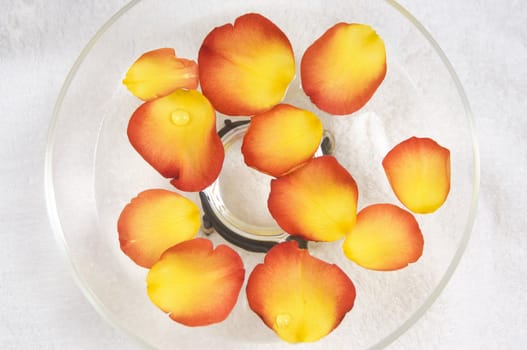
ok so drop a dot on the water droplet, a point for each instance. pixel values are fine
(180, 117)
(283, 320)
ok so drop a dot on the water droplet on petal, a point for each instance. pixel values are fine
(283, 320)
(180, 117)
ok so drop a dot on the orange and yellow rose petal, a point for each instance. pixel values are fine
(246, 68)
(384, 238)
(281, 139)
(159, 72)
(176, 134)
(343, 68)
(418, 170)
(287, 293)
(154, 221)
(317, 201)
(196, 284)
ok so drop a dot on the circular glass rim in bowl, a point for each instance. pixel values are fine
(217, 217)
(99, 306)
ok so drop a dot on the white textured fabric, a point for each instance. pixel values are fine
(483, 306)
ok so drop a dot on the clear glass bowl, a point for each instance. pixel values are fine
(92, 171)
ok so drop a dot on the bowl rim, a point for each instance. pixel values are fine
(56, 226)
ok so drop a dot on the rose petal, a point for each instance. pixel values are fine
(317, 201)
(418, 170)
(280, 139)
(154, 221)
(176, 134)
(385, 238)
(195, 284)
(159, 72)
(343, 68)
(287, 293)
(245, 68)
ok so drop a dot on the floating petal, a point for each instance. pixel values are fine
(246, 68)
(159, 72)
(418, 170)
(343, 68)
(196, 284)
(317, 201)
(384, 238)
(176, 134)
(281, 139)
(154, 221)
(298, 296)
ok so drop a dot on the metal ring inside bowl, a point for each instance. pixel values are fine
(218, 218)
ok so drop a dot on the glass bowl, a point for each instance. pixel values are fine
(92, 170)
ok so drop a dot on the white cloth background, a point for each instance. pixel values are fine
(483, 307)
